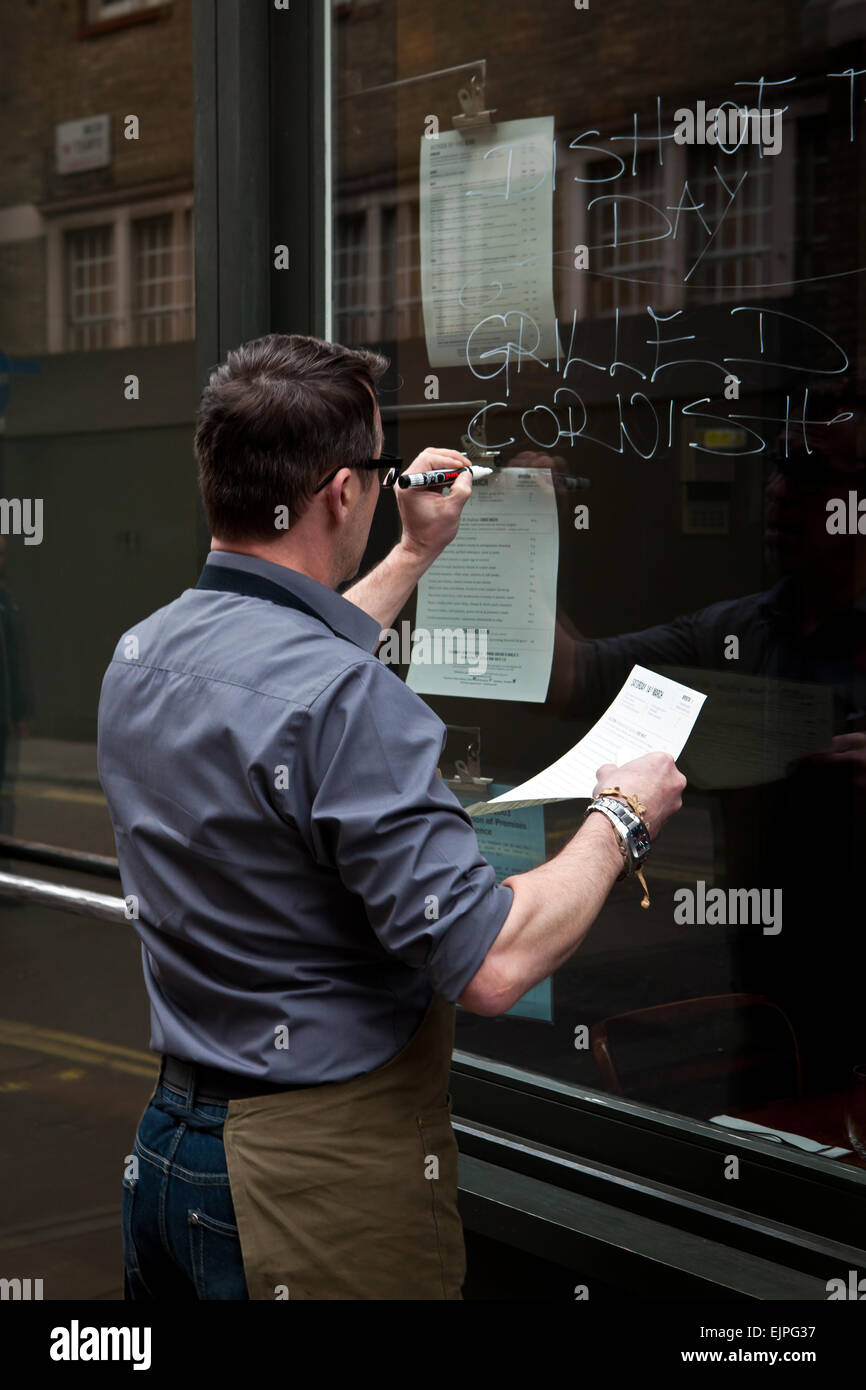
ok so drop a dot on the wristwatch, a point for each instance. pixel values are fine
(632, 834)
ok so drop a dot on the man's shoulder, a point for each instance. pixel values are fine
(363, 675)
(246, 644)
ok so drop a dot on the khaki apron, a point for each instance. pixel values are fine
(349, 1190)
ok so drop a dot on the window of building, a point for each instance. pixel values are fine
(813, 177)
(377, 275)
(162, 278)
(350, 270)
(641, 251)
(616, 206)
(626, 229)
(632, 406)
(733, 236)
(676, 227)
(91, 304)
(122, 276)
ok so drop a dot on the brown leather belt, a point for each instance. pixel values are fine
(213, 1086)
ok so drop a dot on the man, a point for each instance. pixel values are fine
(309, 894)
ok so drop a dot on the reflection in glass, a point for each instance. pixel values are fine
(703, 388)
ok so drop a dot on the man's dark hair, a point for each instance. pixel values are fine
(274, 419)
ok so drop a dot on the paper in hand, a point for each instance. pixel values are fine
(651, 714)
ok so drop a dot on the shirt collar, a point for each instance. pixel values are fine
(340, 613)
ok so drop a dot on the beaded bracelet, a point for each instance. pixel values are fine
(639, 810)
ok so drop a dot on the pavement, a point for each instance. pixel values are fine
(75, 1069)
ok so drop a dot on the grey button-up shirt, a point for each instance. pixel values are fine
(303, 878)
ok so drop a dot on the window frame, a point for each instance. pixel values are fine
(120, 216)
(373, 205)
(99, 12)
(673, 256)
(571, 165)
(95, 22)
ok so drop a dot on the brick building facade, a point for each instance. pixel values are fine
(61, 67)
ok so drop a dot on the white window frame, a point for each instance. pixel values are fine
(86, 333)
(673, 294)
(371, 204)
(98, 13)
(177, 244)
(572, 164)
(783, 210)
(120, 217)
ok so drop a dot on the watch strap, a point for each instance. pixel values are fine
(624, 820)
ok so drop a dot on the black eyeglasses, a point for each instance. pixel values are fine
(385, 463)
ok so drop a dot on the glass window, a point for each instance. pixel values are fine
(671, 357)
(351, 295)
(740, 254)
(626, 233)
(98, 527)
(91, 316)
(127, 280)
(376, 270)
(162, 277)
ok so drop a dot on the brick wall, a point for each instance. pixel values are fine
(51, 75)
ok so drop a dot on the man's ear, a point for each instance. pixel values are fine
(340, 496)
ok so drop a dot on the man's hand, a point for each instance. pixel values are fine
(848, 751)
(430, 521)
(656, 782)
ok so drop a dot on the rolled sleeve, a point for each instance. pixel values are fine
(370, 804)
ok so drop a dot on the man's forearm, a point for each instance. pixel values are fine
(554, 907)
(383, 592)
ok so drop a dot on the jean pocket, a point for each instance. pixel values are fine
(215, 1256)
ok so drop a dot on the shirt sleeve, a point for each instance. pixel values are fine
(692, 639)
(370, 803)
(606, 661)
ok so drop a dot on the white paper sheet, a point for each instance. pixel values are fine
(651, 714)
(486, 226)
(497, 578)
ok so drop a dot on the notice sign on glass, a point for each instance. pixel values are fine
(484, 625)
(514, 843)
(486, 219)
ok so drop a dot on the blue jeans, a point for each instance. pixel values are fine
(180, 1239)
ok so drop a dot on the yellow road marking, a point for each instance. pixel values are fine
(78, 1040)
(77, 1049)
(53, 793)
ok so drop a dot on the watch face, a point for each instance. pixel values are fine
(640, 840)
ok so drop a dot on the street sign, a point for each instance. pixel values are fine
(80, 145)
